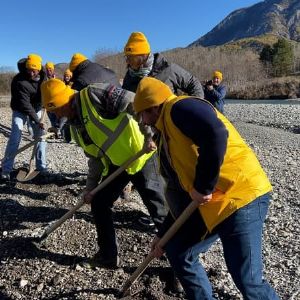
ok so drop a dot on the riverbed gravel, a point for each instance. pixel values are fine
(51, 270)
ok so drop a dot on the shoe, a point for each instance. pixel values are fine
(98, 260)
(5, 177)
(146, 222)
(175, 286)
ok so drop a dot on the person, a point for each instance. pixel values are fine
(215, 167)
(101, 125)
(26, 103)
(215, 91)
(86, 72)
(68, 77)
(50, 72)
(49, 67)
(141, 62)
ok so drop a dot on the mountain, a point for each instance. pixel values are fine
(270, 17)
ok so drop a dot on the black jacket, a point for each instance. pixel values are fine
(171, 74)
(26, 93)
(89, 72)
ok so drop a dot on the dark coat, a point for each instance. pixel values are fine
(26, 93)
(89, 72)
(177, 78)
(216, 96)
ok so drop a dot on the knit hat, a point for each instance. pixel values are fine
(49, 65)
(68, 73)
(55, 94)
(34, 62)
(137, 44)
(77, 58)
(218, 74)
(150, 92)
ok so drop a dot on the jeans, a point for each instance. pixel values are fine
(148, 183)
(18, 121)
(241, 237)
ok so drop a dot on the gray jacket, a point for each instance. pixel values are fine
(171, 74)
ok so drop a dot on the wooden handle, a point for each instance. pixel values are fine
(163, 241)
(81, 202)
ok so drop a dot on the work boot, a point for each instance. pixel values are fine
(100, 261)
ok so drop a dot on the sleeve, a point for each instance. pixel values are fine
(188, 83)
(25, 105)
(95, 169)
(208, 133)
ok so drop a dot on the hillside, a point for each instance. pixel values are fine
(274, 17)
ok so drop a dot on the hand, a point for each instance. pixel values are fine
(210, 87)
(156, 250)
(87, 197)
(149, 146)
(200, 198)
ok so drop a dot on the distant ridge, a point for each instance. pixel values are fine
(270, 17)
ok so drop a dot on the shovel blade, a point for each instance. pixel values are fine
(24, 176)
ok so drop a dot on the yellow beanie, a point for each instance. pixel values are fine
(218, 74)
(55, 94)
(50, 65)
(77, 58)
(150, 92)
(137, 44)
(34, 62)
(68, 73)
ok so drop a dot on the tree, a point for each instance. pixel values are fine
(283, 58)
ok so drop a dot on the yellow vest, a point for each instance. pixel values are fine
(119, 138)
(241, 178)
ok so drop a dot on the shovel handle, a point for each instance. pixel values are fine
(162, 242)
(81, 202)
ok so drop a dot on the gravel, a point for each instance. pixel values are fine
(51, 271)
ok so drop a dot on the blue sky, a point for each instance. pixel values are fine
(58, 29)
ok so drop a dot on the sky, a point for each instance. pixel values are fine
(57, 29)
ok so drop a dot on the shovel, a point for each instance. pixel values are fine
(23, 176)
(163, 241)
(81, 202)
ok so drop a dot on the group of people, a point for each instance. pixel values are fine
(191, 153)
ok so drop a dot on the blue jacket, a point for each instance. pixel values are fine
(216, 96)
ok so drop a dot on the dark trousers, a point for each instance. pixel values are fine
(150, 186)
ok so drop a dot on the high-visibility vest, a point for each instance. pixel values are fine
(241, 179)
(118, 139)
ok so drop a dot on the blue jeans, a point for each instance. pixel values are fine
(241, 237)
(18, 121)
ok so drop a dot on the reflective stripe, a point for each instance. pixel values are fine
(100, 125)
(111, 135)
(111, 139)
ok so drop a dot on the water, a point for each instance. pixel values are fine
(264, 101)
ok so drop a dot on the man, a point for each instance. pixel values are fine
(215, 92)
(68, 77)
(100, 124)
(86, 72)
(206, 160)
(49, 67)
(25, 104)
(54, 121)
(141, 62)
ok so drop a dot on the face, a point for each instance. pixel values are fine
(216, 81)
(136, 61)
(150, 116)
(33, 73)
(50, 73)
(67, 78)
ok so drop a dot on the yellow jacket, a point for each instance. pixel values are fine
(241, 178)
